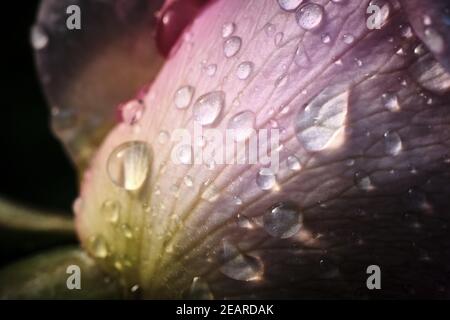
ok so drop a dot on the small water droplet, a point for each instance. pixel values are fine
(348, 38)
(244, 222)
(99, 247)
(127, 232)
(183, 97)
(128, 165)
(228, 29)
(132, 112)
(326, 38)
(242, 125)
(232, 46)
(390, 102)
(237, 200)
(393, 143)
(293, 163)
(239, 266)
(244, 70)
(278, 38)
(363, 181)
(289, 5)
(188, 181)
(283, 220)
(434, 41)
(208, 107)
(184, 154)
(111, 210)
(265, 179)
(163, 137)
(39, 38)
(270, 29)
(309, 16)
(211, 70)
(200, 290)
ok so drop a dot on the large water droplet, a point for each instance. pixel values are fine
(244, 70)
(232, 46)
(266, 179)
(283, 220)
(309, 16)
(242, 125)
(393, 143)
(208, 107)
(111, 210)
(390, 102)
(200, 290)
(320, 123)
(128, 165)
(38, 37)
(183, 97)
(289, 5)
(239, 266)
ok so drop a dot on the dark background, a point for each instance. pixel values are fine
(34, 167)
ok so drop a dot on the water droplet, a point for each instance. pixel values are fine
(39, 38)
(309, 16)
(232, 46)
(281, 80)
(293, 163)
(127, 232)
(363, 181)
(326, 38)
(283, 220)
(278, 38)
(163, 137)
(289, 5)
(270, 29)
(211, 70)
(318, 125)
(228, 29)
(434, 41)
(200, 290)
(111, 210)
(244, 222)
(239, 266)
(135, 288)
(99, 247)
(237, 200)
(348, 38)
(393, 143)
(266, 179)
(244, 70)
(188, 181)
(183, 97)
(128, 165)
(242, 125)
(132, 112)
(419, 50)
(208, 107)
(390, 102)
(184, 154)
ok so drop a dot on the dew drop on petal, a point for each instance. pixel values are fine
(434, 41)
(293, 163)
(163, 137)
(348, 38)
(265, 179)
(309, 16)
(393, 143)
(200, 290)
(270, 29)
(228, 29)
(232, 46)
(99, 247)
(111, 210)
(38, 37)
(244, 70)
(239, 266)
(184, 154)
(183, 97)
(211, 70)
(128, 165)
(283, 220)
(132, 112)
(390, 102)
(127, 232)
(242, 125)
(326, 38)
(363, 181)
(188, 181)
(289, 5)
(208, 107)
(244, 222)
